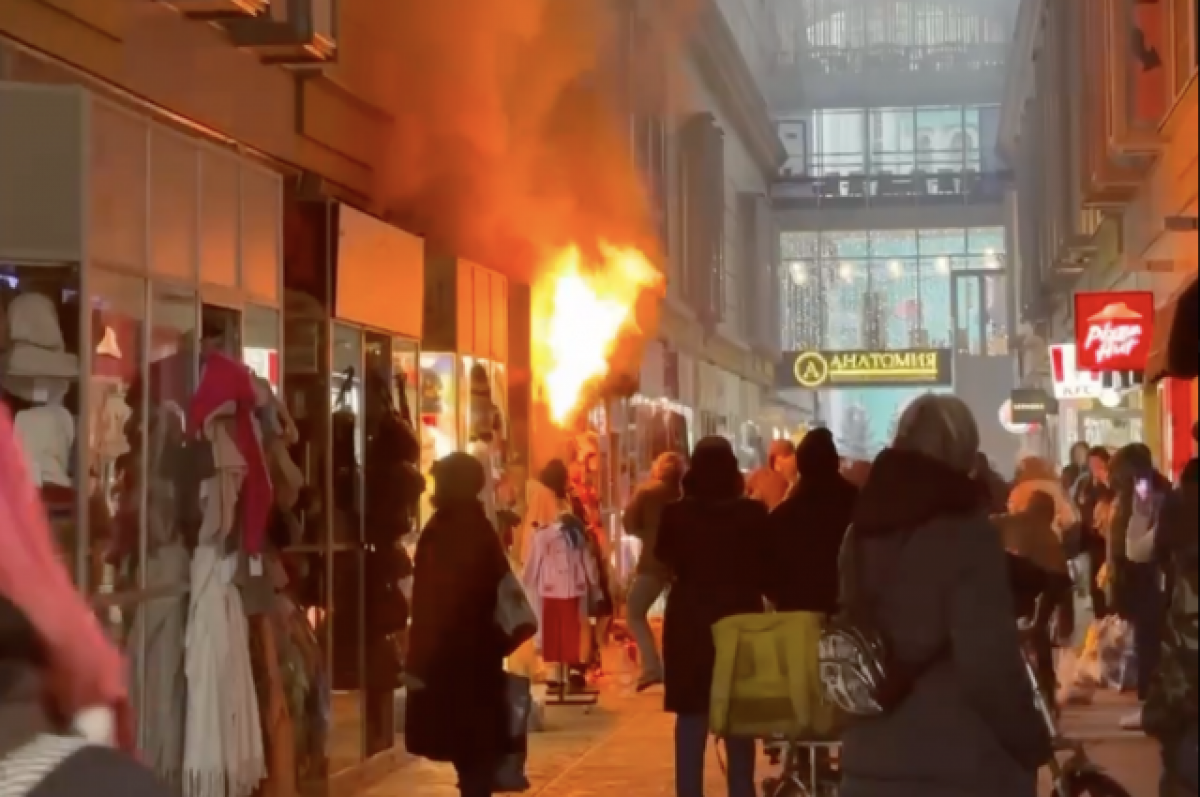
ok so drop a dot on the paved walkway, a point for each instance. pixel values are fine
(623, 748)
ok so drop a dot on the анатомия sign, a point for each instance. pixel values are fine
(814, 370)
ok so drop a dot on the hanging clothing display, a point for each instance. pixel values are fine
(560, 572)
(223, 749)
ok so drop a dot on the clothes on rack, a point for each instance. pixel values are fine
(225, 381)
(560, 572)
(223, 747)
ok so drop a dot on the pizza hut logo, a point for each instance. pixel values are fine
(1115, 332)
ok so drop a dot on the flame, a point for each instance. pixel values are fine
(581, 310)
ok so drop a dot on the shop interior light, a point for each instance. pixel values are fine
(943, 265)
(799, 272)
(896, 269)
(846, 272)
(1110, 399)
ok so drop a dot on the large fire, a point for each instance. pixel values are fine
(580, 312)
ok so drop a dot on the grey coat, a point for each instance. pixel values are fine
(969, 728)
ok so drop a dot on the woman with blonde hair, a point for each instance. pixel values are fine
(924, 563)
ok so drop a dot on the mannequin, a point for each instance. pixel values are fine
(36, 373)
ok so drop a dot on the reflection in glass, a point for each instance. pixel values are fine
(161, 622)
(261, 352)
(346, 743)
(39, 384)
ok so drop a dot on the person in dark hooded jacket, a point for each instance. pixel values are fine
(713, 542)
(457, 711)
(806, 531)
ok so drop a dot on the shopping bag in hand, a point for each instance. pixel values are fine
(514, 615)
(510, 774)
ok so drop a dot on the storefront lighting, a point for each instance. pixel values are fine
(846, 272)
(799, 272)
(1110, 399)
(896, 269)
(943, 265)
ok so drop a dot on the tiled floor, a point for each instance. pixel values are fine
(623, 749)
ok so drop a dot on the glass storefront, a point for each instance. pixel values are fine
(351, 386)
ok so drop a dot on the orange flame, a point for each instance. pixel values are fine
(580, 313)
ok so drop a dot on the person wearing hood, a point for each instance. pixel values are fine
(924, 561)
(771, 483)
(641, 519)
(997, 490)
(457, 711)
(806, 531)
(1135, 574)
(713, 541)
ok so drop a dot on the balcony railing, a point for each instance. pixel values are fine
(890, 190)
(947, 58)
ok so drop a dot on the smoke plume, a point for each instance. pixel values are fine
(511, 129)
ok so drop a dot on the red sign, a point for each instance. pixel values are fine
(1113, 331)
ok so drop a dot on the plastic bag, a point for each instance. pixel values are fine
(510, 773)
(1115, 653)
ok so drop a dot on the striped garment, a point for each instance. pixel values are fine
(24, 769)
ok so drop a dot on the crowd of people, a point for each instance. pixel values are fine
(945, 556)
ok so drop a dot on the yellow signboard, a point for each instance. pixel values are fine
(830, 369)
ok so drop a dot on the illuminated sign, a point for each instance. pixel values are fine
(1113, 331)
(1029, 406)
(833, 369)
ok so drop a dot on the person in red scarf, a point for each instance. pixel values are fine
(63, 697)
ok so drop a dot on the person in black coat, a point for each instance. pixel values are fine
(806, 531)
(714, 542)
(456, 709)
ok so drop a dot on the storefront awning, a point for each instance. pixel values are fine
(1174, 350)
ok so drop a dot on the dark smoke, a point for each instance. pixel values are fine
(512, 132)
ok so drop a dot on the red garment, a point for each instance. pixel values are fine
(562, 630)
(225, 380)
(85, 669)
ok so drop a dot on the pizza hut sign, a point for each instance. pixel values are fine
(1113, 331)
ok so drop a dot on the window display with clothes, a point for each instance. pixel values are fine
(560, 572)
(37, 373)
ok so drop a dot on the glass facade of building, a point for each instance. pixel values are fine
(892, 289)
(903, 141)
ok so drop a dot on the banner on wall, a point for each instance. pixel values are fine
(814, 370)
(1114, 331)
(1072, 383)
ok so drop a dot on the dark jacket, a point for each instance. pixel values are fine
(969, 728)
(1130, 464)
(713, 542)
(1171, 706)
(642, 519)
(805, 532)
(455, 648)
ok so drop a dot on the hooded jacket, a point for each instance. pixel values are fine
(805, 532)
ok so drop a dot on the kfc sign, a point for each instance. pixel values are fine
(1113, 330)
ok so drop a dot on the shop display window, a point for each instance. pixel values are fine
(40, 383)
(438, 408)
(261, 351)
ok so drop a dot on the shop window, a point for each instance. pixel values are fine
(438, 409)
(220, 202)
(346, 743)
(116, 413)
(261, 351)
(173, 206)
(221, 330)
(39, 382)
(260, 233)
(117, 181)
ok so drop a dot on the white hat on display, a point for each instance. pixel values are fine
(35, 341)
